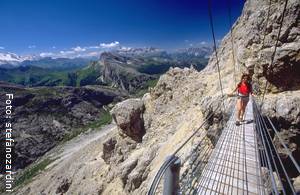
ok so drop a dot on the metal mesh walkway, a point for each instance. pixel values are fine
(233, 167)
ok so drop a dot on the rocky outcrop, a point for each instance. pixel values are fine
(64, 186)
(108, 149)
(42, 117)
(128, 115)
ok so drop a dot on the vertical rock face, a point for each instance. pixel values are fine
(254, 39)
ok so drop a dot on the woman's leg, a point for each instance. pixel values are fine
(244, 105)
(238, 108)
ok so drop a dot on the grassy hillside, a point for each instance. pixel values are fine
(88, 75)
(58, 63)
(36, 76)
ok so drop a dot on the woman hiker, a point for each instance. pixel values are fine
(244, 88)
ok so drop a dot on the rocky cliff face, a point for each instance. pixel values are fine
(179, 102)
(120, 71)
(42, 117)
(254, 39)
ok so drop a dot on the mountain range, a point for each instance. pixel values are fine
(129, 69)
(11, 59)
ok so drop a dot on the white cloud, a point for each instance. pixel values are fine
(83, 51)
(32, 46)
(93, 47)
(78, 49)
(110, 45)
(191, 45)
(2, 47)
(203, 42)
(66, 52)
(46, 54)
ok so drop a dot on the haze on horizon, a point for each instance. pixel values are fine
(65, 26)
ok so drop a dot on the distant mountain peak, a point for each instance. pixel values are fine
(204, 51)
(137, 51)
(8, 58)
(112, 56)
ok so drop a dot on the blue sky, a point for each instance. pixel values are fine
(49, 26)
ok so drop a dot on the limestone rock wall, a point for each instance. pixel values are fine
(254, 39)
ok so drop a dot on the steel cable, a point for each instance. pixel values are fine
(272, 148)
(231, 38)
(273, 54)
(215, 47)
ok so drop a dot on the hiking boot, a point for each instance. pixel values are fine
(237, 123)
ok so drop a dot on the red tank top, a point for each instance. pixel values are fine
(244, 89)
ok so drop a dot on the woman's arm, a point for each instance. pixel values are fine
(235, 89)
(231, 94)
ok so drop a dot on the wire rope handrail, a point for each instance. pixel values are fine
(284, 145)
(215, 47)
(270, 157)
(296, 165)
(159, 175)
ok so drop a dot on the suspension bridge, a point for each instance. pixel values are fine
(241, 160)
